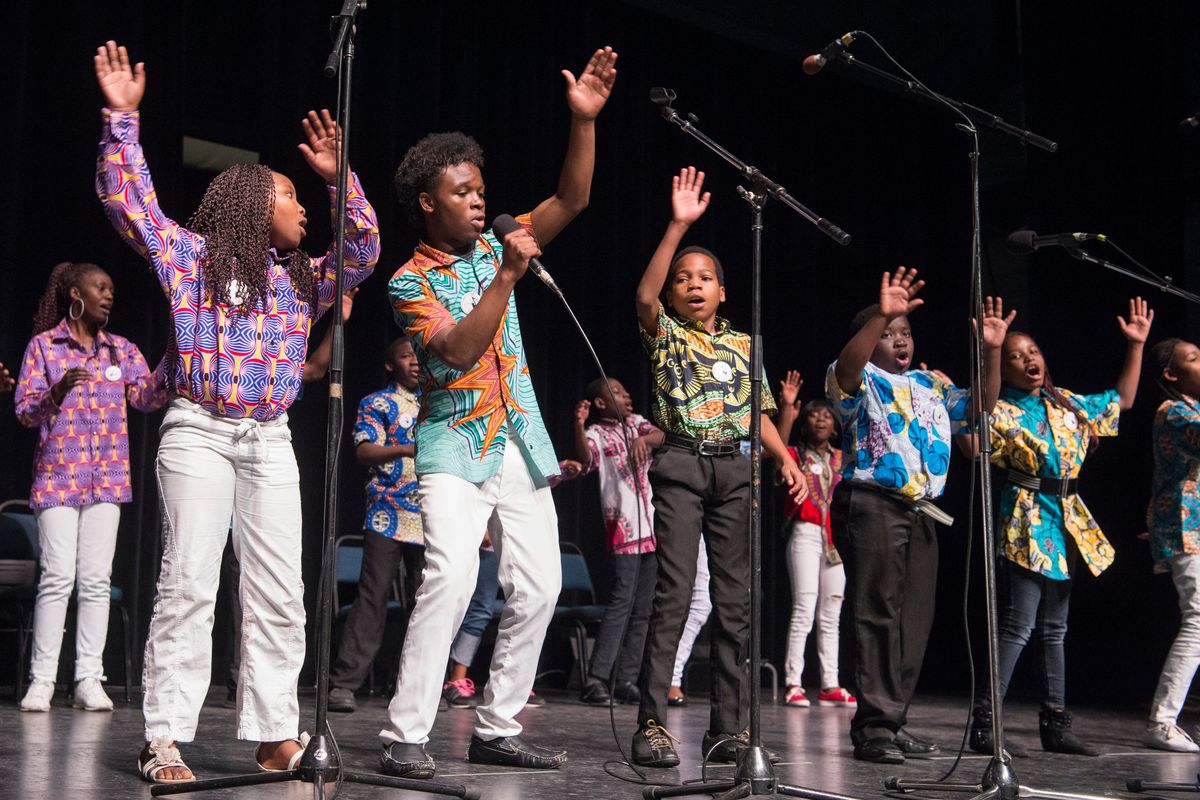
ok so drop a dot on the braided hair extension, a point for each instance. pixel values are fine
(234, 217)
(56, 299)
(1162, 356)
(424, 164)
(1056, 397)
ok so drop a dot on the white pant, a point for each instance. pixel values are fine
(455, 513)
(77, 544)
(698, 612)
(212, 470)
(1184, 656)
(820, 586)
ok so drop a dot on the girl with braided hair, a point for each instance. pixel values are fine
(75, 382)
(1040, 436)
(243, 297)
(1174, 518)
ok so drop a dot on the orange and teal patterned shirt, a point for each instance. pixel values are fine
(1174, 513)
(82, 454)
(233, 362)
(702, 379)
(1037, 437)
(467, 417)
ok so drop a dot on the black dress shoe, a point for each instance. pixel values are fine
(595, 693)
(652, 747)
(914, 747)
(627, 692)
(721, 748)
(879, 750)
(406, 761)
(511, 751)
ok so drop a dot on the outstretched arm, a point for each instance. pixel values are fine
(1135, 330)
(583, 449)
(688, 204)
(789, 471)
(897, 297)
(789, 403)
(586, 96)
(995, 328)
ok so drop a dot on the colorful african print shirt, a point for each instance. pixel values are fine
(466, 417)
(896, 429)
(387, 418)
(822, 472)
(702, 379)
(1030, 434)
(1174, 513)
(232, 361)
(627, 508)
(82, 454)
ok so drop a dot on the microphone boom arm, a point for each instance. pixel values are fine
(1163, 284)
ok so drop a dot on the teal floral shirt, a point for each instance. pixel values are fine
(1175, 498)
(466, 417)
(1037, 437)
(896, 429)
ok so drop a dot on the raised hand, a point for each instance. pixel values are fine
(1141, 316)
(582, 409)
(122, 87)
(789, 388)
(321, 150)
(898, 293)
(6, 380)
(588, 94)
(688, 204)
(995, 324)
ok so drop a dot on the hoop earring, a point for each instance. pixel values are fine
(71, 310)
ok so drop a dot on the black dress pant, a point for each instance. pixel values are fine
(695, 494)
(890, 554)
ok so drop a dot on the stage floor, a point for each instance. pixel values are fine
(75, 754)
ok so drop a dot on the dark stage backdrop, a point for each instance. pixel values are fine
(1109, 85)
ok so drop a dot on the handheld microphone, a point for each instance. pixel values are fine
(504, 225)
(815, 63)
(1026, 241)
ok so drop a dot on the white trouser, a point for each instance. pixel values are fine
(77, 544)
(817, 586)
(212, 470)
(1184, 656)
(456, 513)
(698, 612)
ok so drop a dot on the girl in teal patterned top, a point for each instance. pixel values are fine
(1040, 435)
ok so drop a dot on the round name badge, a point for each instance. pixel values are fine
(112, 373)
(722, 372)
(405, 420)
(236, 292)
(469, 301)
(1070, 422)
(816, 469)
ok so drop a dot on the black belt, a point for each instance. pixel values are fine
(704, 447)
(1061, 487)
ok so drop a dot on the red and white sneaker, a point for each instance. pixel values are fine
(836, 696)
(796, 697)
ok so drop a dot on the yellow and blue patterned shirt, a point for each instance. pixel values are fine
(702, 379)
(1174, 513)
(466, 417)
(896, 429)
(387, 418)
(1032, 435)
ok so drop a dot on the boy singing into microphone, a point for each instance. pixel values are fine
(481, 444)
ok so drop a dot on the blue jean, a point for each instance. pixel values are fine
(1028, 601)
(479, 610)
(621, 641)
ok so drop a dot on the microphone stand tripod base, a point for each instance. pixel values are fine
(999, 782)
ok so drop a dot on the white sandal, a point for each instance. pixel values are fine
(301, 740)
(161, 753)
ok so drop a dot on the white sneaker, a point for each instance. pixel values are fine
(90, 696)
(1167, 736)
(37, 698)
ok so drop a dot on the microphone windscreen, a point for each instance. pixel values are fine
(503, 225)
(813, 64)
(1021, 242)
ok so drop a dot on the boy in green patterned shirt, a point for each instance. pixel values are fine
(701, 483)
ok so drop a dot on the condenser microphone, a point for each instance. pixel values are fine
(1026, 241)
(815, 63)
(504, 225)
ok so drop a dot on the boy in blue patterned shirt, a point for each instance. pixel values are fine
(383, 441)
(896, 425)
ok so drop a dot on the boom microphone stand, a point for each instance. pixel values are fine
(998, 780)
(754, 774)
(321, 765)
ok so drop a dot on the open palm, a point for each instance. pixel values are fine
(122, 85)
(587, 95)
(1141, 316)
(688, 202)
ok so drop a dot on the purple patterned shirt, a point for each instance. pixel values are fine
(82, 454)
(231, 361)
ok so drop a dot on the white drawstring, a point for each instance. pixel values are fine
(245, 427)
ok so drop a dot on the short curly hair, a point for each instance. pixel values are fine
(424, 164)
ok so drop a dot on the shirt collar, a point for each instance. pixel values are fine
(443, 260)
(62, 332)
(720, 325)
(1020, 398)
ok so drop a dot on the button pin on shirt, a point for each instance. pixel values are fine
(722, 372)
